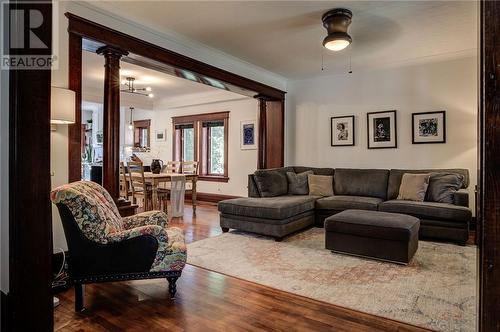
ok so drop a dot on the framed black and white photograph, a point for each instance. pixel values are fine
(342, 130)
(248, 131)
(160, 135)
(382, 130)
(429, 127)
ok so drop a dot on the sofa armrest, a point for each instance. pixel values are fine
(461, 198)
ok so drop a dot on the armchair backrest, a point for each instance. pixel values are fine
(92, 208)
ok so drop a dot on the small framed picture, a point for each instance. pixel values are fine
(99, 137)
(429, 127)
(381, 130)
(342, 130)
(160, 135)
(248, 140)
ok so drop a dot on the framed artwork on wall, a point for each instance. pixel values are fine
(428, 127)
(382, 130)
(160, 135)
(248, 132)
(342, 130)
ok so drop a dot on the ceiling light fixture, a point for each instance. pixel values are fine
(130, 124)
(129, 83)
(336, 22)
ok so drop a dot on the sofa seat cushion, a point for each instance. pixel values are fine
(281, 207)
(341, 202)
(428, 210)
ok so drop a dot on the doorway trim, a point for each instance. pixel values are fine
(80, 28)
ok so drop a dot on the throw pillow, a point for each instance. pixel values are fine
(320, 185)
(297, 183)
(442, 187)
(271, 183)
(413, 187)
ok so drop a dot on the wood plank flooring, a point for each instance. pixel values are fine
(207, 301)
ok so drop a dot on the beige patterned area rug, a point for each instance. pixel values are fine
(437, 290)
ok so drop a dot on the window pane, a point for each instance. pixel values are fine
(217, 150)
(188, 146)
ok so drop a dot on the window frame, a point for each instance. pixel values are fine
(201, 143)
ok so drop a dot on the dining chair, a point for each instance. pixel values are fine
(189, 167)
(138, 184)
(125, 190)
(172, 167)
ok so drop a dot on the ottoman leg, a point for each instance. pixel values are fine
(225, 229)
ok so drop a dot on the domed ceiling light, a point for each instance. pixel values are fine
(336, 22)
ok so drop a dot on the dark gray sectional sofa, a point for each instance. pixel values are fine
(362, 189)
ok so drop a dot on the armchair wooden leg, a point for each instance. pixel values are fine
(172, 288)
(79, 297)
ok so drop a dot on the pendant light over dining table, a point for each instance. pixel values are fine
(336, 23)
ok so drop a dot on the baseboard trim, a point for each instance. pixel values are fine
(210, 198)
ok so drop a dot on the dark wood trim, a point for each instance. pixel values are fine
(176, 120)
(30, 210)
(213, 178)
(111, 37)
(75, 130)
(261, 152)
(210, 198)
(111, 124)
(489, 166)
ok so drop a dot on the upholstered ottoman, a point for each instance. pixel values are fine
(381, 235)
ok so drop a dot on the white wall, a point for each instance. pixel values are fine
(450, 86)
(240, 162)
(59, 143)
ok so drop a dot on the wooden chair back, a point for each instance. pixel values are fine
(172, 167)
(124, 182)
(137, 182)
(190, 167)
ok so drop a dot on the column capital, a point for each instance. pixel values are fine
(111, 51)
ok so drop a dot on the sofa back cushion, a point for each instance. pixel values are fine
(397, 174)
(361, 182)
(443, 186)
(297, 183)
(315, 170)
(272, 182)
(320, 185)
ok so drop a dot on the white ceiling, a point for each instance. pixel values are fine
(169, 91)
(285, 36)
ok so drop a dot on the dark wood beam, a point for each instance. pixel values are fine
(111, 125)
(75, 130)
(111, 37)
(489, 170)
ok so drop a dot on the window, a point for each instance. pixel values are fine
(203, 138)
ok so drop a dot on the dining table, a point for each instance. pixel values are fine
(154, 179)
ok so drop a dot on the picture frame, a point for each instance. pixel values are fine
(248, 135)
(382, 130)
(99, 137)
(428, 127)
(161, 135)
(342, 130)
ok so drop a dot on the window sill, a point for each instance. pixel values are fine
(213, 178)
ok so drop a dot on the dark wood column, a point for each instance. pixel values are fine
(271, 140)
(489, 166)
(111, 125)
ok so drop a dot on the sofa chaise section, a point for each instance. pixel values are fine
(271, 216)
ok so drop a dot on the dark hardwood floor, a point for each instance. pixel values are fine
(207, 301)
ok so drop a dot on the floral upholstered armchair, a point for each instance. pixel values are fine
(103, 246)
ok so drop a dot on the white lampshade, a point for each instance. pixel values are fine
(62, 106)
